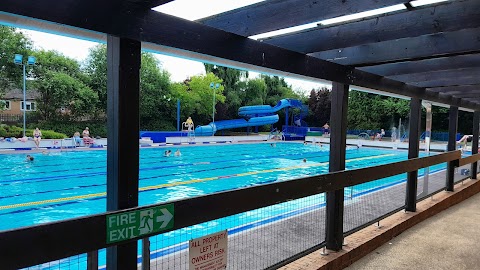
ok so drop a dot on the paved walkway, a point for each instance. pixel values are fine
(448, 240)
(264, 245)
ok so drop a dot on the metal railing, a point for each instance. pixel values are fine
(52, 241)
(10, 117)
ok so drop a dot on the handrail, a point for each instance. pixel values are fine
(469, 159)
(53, 241)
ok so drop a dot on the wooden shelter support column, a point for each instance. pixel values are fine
(413, 148)
(123, 85)
(338, 138)
(475, 133)
(452, 144)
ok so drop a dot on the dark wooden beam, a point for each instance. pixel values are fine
(200, 40)
(443, 18)
(435, 75)
(407, 49)
(434, 64)
(338, 140)
(467, 95)
(449, 90)
(455, 81)
(475, 133)
(413, 148)
(451, 145)
(123, 92)
(148, 4)
(272, 15)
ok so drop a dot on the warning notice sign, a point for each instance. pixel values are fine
(209, 252)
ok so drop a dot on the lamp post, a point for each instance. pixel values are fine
(19, 61)
(214, 86)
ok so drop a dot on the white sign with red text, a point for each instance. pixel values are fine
(209, 252)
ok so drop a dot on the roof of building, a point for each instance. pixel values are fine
(14, 94)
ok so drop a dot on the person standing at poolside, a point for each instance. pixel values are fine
(37, 137)
(87, 140)
(76, 138)
(326, 129)
(86, 133)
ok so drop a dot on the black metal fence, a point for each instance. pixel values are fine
(10, 118)
(301, 230)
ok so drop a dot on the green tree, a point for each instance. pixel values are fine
(60, 90)
(11, 42)
(95, 68)
(319, 105)
(201, 96)
(364, 110)
(372, 111)
(255, 92)
(277, 89)
(157, 100)
(233, 82)
(61, 84)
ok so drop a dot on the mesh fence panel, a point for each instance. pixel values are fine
(257, 239)
(369, 201)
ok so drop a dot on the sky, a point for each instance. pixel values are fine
(179, 68)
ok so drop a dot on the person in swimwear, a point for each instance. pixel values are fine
(86, 133)
(76, 138)
(37, 137)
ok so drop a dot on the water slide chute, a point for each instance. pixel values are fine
(257, 115)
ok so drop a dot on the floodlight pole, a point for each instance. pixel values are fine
(19, 61)
(213, 106)
(24, 100)
(214, 86)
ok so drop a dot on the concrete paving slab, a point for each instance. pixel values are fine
(449, 240)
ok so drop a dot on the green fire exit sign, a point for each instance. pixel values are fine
(136, 223)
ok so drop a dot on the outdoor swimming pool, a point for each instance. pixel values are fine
(64, 185)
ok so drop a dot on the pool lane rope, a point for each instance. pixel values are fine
(149, 188)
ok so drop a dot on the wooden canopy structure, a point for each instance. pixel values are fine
(421, 52)
(431, 51)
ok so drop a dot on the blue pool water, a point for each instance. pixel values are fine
(64, 185)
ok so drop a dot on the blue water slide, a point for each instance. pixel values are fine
(257, 115)
(210, 129)
(260, 110)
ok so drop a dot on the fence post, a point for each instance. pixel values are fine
(338, 137)
(123, 88)
(475, 133)
(452, 145)
(413, 147)
(146, 253)
(92, 260)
